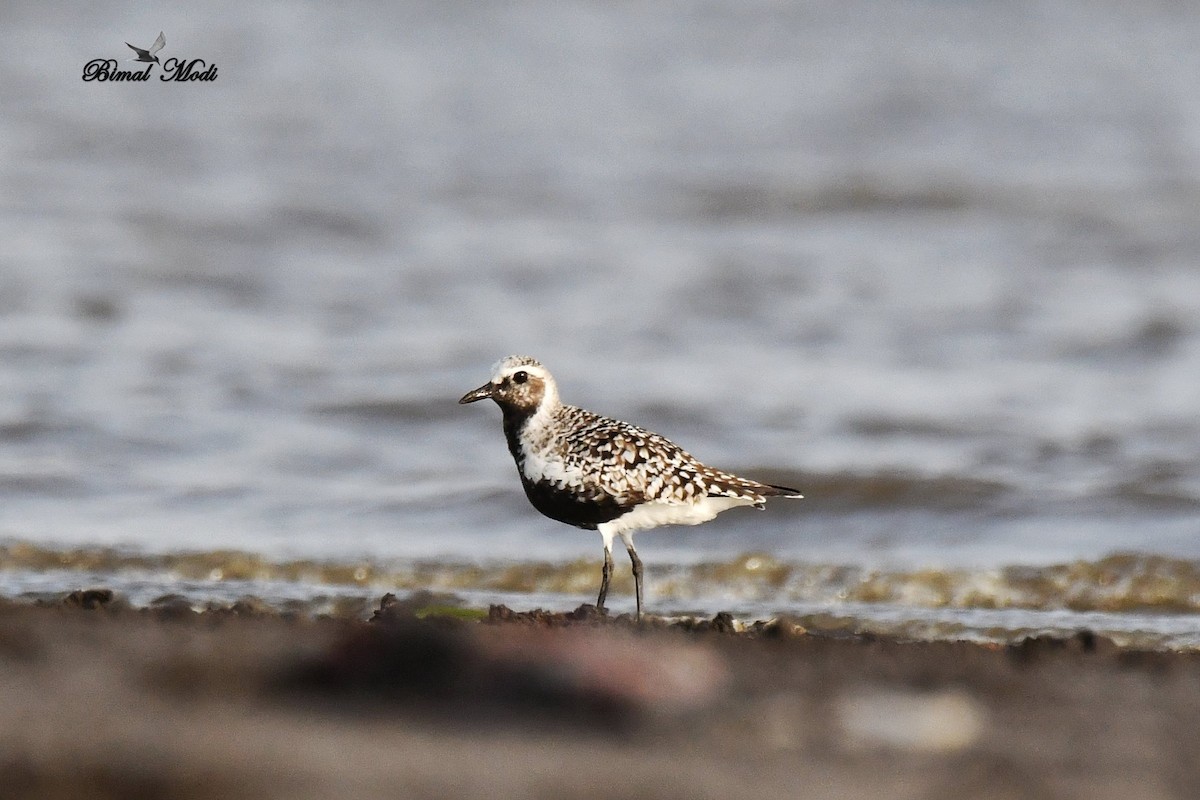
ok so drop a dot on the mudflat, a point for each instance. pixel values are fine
(102, 700)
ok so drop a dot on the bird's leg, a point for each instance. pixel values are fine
(605, 574)
(637, 576)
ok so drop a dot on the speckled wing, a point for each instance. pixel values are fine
(632, 465)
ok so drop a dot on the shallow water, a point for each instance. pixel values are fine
(924, 262)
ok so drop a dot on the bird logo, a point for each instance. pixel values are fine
(149, 55)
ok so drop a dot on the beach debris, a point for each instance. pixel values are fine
(593, 672)
(929, 722)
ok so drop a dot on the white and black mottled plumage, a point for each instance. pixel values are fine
(602, 474)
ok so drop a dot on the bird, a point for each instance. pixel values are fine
(149, 55)
(602, 474)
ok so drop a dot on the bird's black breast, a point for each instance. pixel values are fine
(514, 421)
(576, 506)
(573, 508)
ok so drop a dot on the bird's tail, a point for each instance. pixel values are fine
(783, 491)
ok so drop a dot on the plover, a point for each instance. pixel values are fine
(148, 55)
(602, 474)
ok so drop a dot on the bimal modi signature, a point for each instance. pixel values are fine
(173, 69)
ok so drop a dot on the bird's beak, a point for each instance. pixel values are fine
(482, 393)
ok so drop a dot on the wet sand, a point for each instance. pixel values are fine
(101, 700)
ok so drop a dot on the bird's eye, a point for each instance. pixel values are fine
(520, 377)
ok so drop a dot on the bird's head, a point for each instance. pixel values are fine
(519, 383)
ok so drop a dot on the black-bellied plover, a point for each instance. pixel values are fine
(602, 474)
(148, 55)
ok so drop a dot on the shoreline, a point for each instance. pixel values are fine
(1138, 600)
(103, 700)
(1164, 631)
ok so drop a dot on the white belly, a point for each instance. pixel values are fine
(652, 515)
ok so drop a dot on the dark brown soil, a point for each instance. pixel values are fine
(101, 700)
